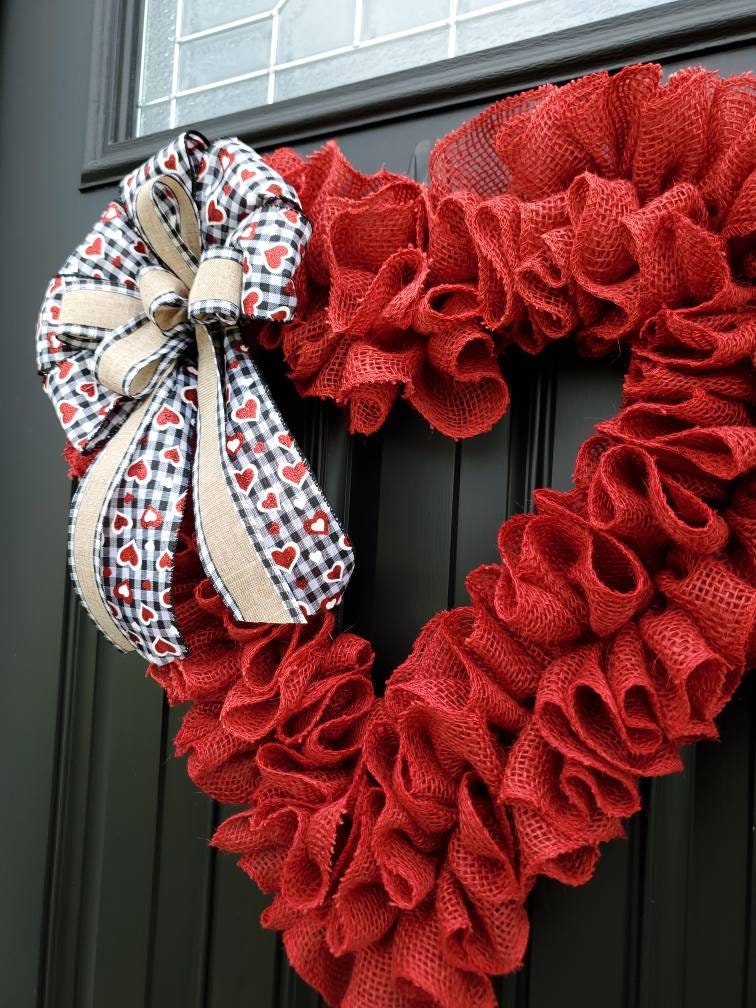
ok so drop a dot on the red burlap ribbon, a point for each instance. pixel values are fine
(401, 836)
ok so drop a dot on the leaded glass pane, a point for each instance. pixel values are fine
(157, 50)
(199, 15)
(206, 58)
(356, 65)
(536, 17)
(155, 118)
(307, 29)
(230, 97)
(381, 18)
(231, 53)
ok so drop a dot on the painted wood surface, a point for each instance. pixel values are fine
(109, 894)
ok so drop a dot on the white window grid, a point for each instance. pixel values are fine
(450, 22)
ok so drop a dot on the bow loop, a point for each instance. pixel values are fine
(138, 346)
(217, 289)
(167, 217)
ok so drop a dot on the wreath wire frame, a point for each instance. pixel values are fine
(401, 835)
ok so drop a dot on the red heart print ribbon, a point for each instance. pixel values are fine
(140, 353)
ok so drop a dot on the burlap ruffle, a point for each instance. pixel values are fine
(401, 836)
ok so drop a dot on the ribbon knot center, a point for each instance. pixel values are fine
(215, 294)
(164, 296)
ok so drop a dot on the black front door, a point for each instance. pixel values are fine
(111, 897)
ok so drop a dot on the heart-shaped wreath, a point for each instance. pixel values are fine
(401, 835)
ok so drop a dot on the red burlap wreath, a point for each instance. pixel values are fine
(401, 836)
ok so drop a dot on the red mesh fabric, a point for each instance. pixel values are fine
(361, 913)
(577, 210)
(401, 836)
(376, 328)
(76, 462)
(218, 763)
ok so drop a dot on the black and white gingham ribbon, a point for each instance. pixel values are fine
(247, 215)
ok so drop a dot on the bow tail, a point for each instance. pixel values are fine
(228, 529)
(293, 532)
(125, 518)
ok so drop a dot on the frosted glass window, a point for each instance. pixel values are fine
(304, 31)
(206, 58)
(232, 52)
(197, 15)
(381, 18)
(199, 105)
(348, 67)
(520, 21)
(157, 50)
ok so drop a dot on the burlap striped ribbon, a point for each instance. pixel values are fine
(136, 356)
(141, 347)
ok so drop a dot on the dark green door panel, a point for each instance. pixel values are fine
(43, 89)
(109, 894)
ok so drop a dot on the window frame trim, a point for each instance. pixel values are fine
(663, 32)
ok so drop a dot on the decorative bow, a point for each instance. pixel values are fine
(138, 346)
